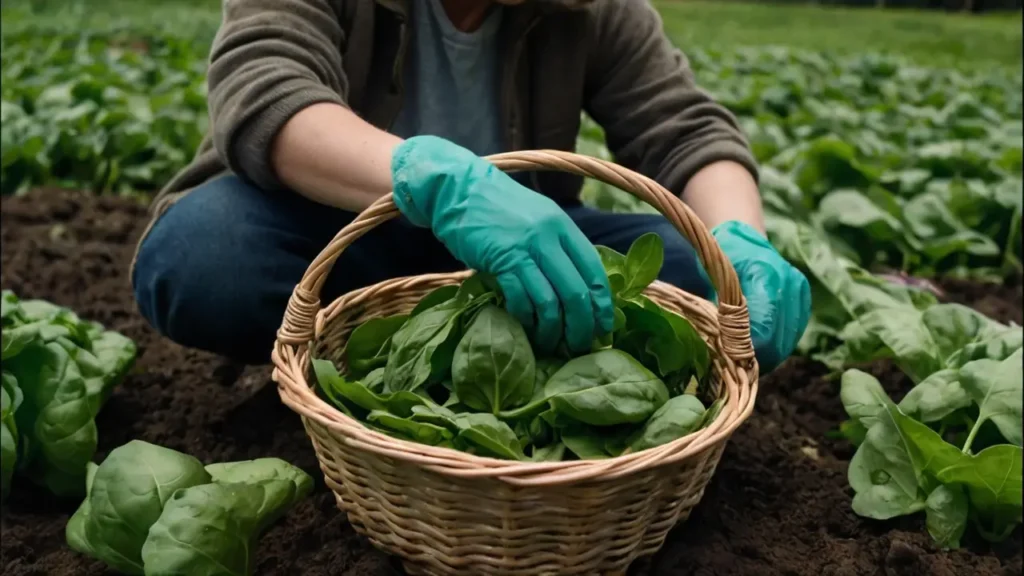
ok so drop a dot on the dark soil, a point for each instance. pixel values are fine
(779, 503)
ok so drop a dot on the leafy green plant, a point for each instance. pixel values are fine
(950, 448)
(153, 510)
(58, 371)
(460, 372)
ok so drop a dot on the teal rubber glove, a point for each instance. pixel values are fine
(544, 264)
(778, 295)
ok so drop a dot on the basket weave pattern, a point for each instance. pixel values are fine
(445, 512)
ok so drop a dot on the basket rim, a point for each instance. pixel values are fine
(739, 385)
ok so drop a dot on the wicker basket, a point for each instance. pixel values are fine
(445, 512)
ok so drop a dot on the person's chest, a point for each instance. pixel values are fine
(535, 91)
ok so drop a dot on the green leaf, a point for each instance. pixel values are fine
(998, 347)
(863, 398)
(584, 443)
(407, 428)
(411, 362)
(283, 484)
(17, 338)
(954, 326)
(993, 480)
(484, 434)
(936, 397)
(126, 498)
(551, 453)
(946, 515)
(10, 399)
(882, 476)
(367, 347)
(642, 264)
(206, 529)
(493, 368)
(615, 267)
(997, 389)
(675, 419)
(436, 296)
(927, 452)
(606, 388)
(56, 417)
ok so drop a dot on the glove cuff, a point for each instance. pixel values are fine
(403, 165)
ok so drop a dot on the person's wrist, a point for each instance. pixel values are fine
(416, 165)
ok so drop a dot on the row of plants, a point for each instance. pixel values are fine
(900, 167)
(911, 169)
(952, 446)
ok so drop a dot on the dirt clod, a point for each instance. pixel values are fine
(778, 505)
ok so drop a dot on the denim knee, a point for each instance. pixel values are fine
(199, 279)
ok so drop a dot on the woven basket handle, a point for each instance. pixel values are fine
(304, 304)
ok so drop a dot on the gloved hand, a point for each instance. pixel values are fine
(778, 295)
(543, 262)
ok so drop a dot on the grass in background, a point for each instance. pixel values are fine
(927, 37)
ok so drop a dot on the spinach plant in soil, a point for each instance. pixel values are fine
(154, 511)
(460, 372)
(58, 370)
(951, 447)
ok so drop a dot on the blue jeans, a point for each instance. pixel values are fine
(217, 269)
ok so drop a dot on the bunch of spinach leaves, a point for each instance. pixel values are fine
(952, 446)
(58, 370)
(459, 371)
(152, 510)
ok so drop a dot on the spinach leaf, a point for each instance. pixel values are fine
(615, 267)
(606, 388)
(642, 265)
(10, 400)
(998, 347)
(946, 512)
(283, 484)
(486, 435)
(997, 389)
(550, 453)
(374, 381)
(545, 367)
(927, 452)
(207, 529)
(422, 349)
(494, 368)
(882, 476)
(367, 347)
(863, 398)
(676, 418)
(955, 326)
(584, 443)
(416, 431)
(351, 396)
(936, 397)
(127, 495)
(56, 417)
(436, 296)
(17, 338)
(993, 480)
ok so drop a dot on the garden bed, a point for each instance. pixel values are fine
(779, 504)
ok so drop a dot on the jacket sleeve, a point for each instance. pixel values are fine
(641, 90)
(269, 60)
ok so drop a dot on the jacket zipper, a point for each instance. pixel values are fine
(397, 69)
(513, 119)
